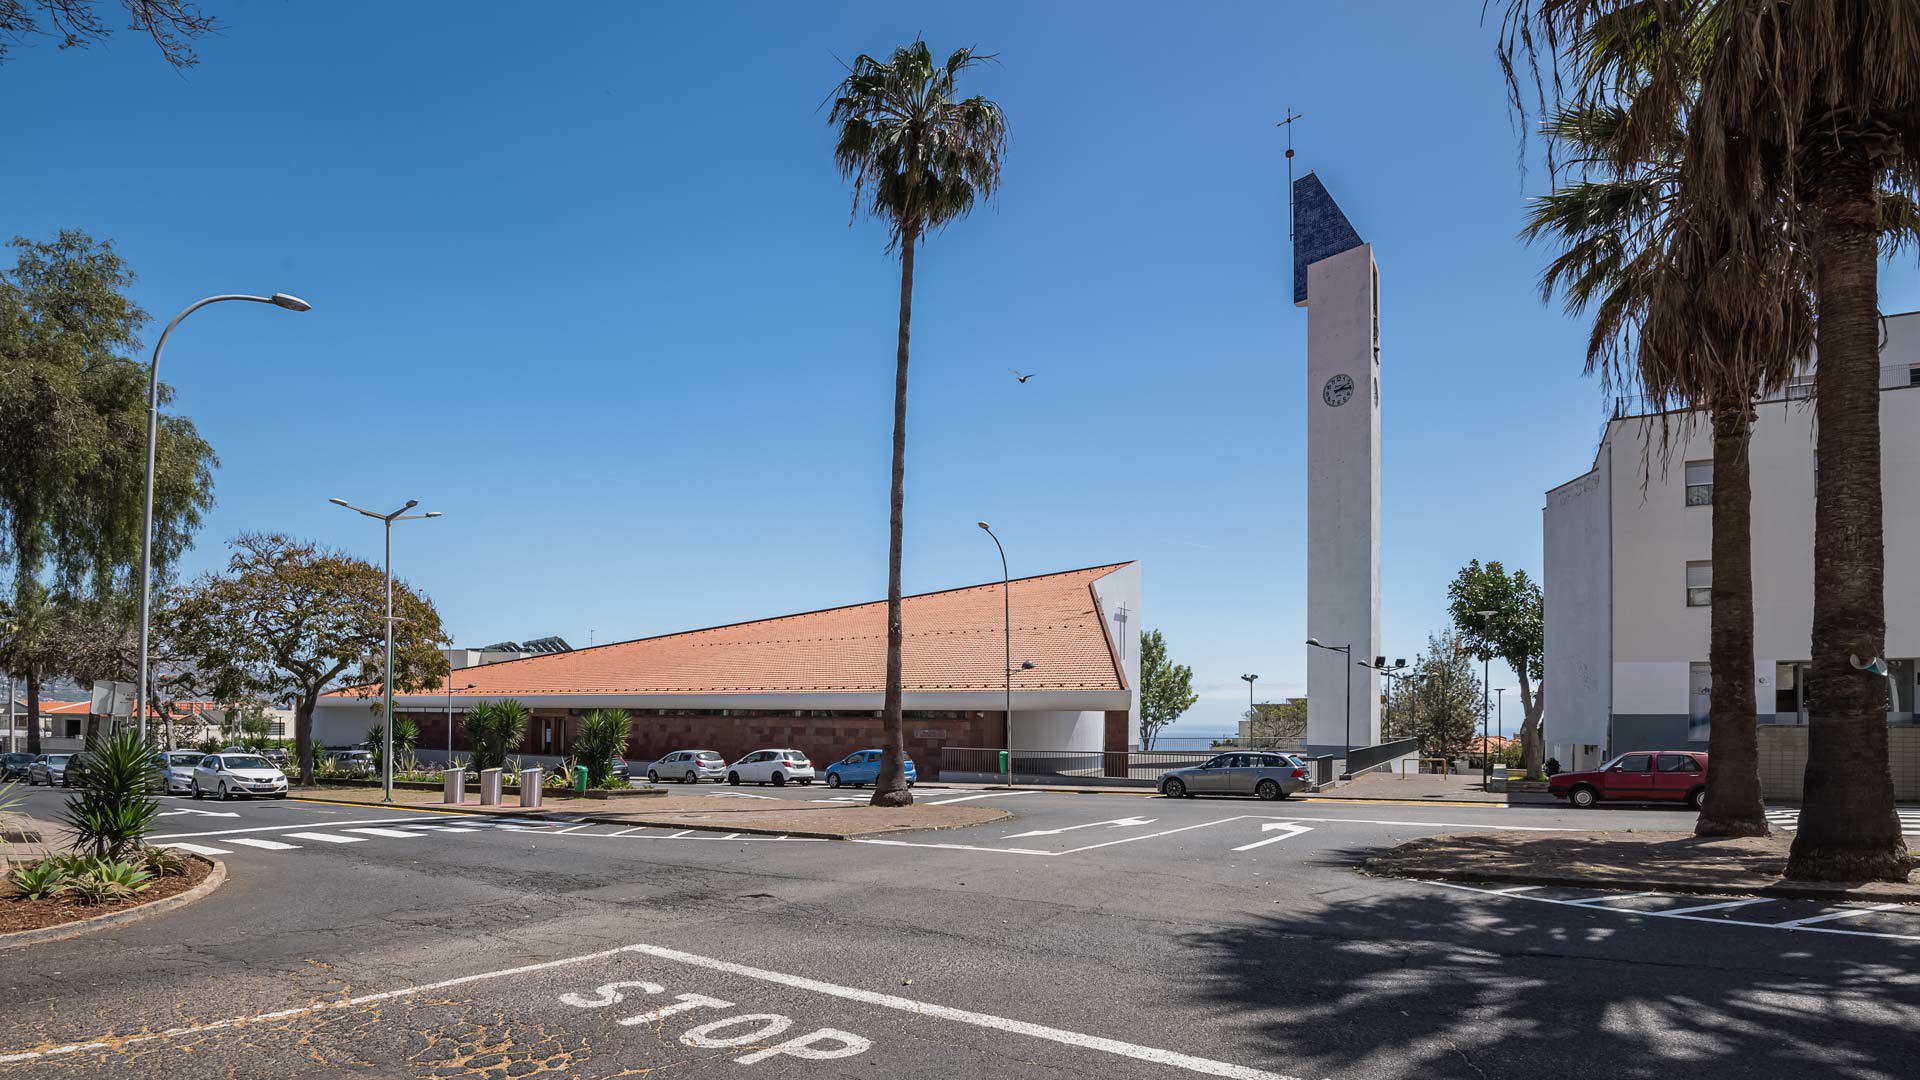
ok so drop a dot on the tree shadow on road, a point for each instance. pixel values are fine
(1421, 981)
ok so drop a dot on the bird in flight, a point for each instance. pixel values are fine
(1020, 377)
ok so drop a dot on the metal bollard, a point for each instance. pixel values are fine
(456, 786)
(531, 781)
(489, 787)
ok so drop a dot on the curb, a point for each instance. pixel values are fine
(214, 880)
(1777, 890)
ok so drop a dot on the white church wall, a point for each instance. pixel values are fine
(1578, 591)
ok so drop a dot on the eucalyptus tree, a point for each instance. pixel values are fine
(1797, 118)
(919, 156)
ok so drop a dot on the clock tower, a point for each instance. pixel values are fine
(1335, 279)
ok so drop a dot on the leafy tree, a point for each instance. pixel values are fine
(1277, 723)
(603, 737)
(1514, 633)
(288, 618)
(1166, 688)
(495, 729)
(1445, 700)
(918, 156)
(73, 423)
(255, 723)
(170, 23)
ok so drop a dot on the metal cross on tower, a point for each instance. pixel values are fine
(1288, 124)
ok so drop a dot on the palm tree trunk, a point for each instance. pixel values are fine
(890, 786)
(1733, 806)
(33, 712)
(1848, 830)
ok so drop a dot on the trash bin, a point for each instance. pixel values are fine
(456, 786)
(489, 787)
(531, 781)
(1004, 763)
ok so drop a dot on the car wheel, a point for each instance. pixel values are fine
(652, 777)
(1583, 797)
(779, 779)
(1697, 798)
(1173, 789)
(733, 778)
(692, 778)
(833, 779)
(1267, 789)
(224, 793)
(193, 789)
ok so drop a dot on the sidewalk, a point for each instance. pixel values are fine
(1651, 861)
(827, 821)
(1428, 787)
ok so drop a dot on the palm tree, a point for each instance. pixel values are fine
(918, 156)
(1801, 114)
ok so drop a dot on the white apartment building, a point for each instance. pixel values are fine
(1628, 574)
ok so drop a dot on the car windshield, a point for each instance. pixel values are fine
(245, 761)
(183, 759)
(58, 759)
(709, 755)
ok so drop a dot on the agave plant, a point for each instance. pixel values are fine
(39, 881)
(105, 881)
(111, 815)
(163, 862)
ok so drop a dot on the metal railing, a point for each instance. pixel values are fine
(1120, 767)
(1362, 758)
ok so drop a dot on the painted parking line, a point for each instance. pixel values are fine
(267, 845)
(1797, 926)
(971, 798)
(398, 834)
(328, 838)
(278, 828)
(196, 849)
(1724, 905)
(1843, 913)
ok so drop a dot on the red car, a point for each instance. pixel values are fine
(1640, 776)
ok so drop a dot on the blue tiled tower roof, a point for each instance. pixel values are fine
(1320, 230)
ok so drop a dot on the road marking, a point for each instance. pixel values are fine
(951, 847)
(1843, 913)
(1295, 830)
(1514, 889)
(1610, 898)
(1116, 823)
(575, 828)
(628, 832)
(1444, 824)
(196, 849)
(202, 813)
(276, 828)
(399, 834)
(1152, 1055)
(1724, 904)
(1799, 926)
(269, 845)
(970, 798)
(735, 795)
(328, 838)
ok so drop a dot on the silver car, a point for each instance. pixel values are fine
(1266, 773)
(174, 771)
(688, 767)
(49, 769)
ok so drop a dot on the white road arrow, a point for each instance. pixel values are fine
(202, 813)
(1293, 828)
(1116, 823)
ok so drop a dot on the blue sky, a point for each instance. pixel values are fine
(586, 284)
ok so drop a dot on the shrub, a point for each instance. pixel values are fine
(107, 880)
(112, 813)
(40, 880)
(495, 728)
(603, 736)
(163, 862)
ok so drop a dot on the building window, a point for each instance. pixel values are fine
(1699, 483)
(1913, 375)
(1699, 584)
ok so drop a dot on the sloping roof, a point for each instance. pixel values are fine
(953, 643)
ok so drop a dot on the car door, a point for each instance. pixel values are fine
(1631, 777)
(1675, 777)
(750, 769)
(867, 770)
(1211, 776)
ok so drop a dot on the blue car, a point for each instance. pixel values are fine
(860, 768)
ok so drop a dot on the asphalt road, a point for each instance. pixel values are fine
(1116, 936)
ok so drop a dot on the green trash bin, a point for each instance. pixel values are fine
(1003, 763)
(579, 778)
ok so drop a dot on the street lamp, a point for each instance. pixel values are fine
(1250, 680)
(1348, 726)
(1390, 671)
(1006, 636)
(280, 300)
(469, 686)
(386, 674)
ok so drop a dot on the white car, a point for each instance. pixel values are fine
(174, 770)
(774, 767)
(688, 767)
(228, 776)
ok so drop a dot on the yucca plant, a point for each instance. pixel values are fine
(603, 736)
(40, 880)
(111, 815)
(495, 728)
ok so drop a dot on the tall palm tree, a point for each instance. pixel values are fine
(1803, 111)
(1681, 317)
(919, 156)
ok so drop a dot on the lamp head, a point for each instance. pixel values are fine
(1026, 665)
(340, 502)
(431, 513)
(290, 302)
(411, 503)
(1315, 642)
(984, 525)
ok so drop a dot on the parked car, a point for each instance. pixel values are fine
(173, 770)
(1268, 774)
(278, 757)
(774, 767)
(358, 762)
(862, 767)
(49, 769)
(1678, 776)
(14, 766)
(688, 767)
(228, 776)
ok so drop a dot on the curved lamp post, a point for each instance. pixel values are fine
(280, 300)
(1006, 615)
(1347, 726)
(386, 674)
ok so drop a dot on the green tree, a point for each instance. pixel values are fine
(73, 423)
(1277, 723)
(919, 156)
(603, 737)
(494, 729)
(287, 619)
(1166, 688)
(1515, 633)
(1445, 701)
(171, 24)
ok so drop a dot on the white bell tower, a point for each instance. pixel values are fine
(1335, 279)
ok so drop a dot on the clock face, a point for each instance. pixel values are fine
(1338, 390)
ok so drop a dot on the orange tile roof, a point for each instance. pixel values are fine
(953, 644)
(84, 708)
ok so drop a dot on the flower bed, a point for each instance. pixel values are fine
(20, 913)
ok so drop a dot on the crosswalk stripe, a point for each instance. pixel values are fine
(269, 845)
(196, 849)
(328, 838)
(397, 834)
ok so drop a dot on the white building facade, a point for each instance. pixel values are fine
(1628, 572)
